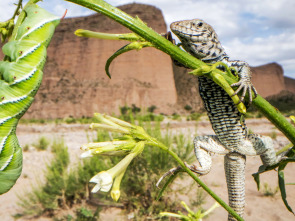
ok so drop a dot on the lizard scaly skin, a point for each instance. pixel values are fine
(200, 40)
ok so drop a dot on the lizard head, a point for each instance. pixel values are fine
(198, 38)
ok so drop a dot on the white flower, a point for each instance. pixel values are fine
(86, 154)
(103, 180)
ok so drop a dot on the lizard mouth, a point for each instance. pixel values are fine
(196, 38)
(184, 32)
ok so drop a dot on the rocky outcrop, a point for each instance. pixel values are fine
(268, 79)
(290, 84)
(187, 91)
(75, 83)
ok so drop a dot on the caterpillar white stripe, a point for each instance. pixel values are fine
(20, 78)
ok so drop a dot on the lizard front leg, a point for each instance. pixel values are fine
(204, 146)
(245, 83)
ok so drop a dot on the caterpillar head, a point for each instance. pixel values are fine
(198, 38)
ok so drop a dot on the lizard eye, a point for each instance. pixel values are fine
(200, 24)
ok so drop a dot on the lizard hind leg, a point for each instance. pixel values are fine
(204, 146)
(264, 147)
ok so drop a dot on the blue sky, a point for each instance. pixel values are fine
(256, 31)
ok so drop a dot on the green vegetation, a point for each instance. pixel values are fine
(268, 191)
(273, 135)
(188, 107)
(63, 188)
(66, 188)
(26, 147)
(284, 101)
(42, 143)
(67, 120)
(135, 113)
(194, 116)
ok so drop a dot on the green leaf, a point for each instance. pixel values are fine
(126, 48)
(283, 189)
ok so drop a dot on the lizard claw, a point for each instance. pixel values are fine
(168, 173)
(174, 170)
(246, 86)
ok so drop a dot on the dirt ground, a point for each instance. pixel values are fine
(258, 207)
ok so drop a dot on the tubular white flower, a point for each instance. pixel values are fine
(112, 128)
(102, 144)
(103, 180)
(86, 154)
(115, 193)
(118, 121)
(111, 148)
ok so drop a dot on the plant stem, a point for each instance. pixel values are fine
(138, 27)
(156, 143)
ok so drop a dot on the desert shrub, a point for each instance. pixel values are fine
(62, 188)
(194, 116)
(188, 107)
(42, 143)
(152, 108)
(132, 114)
(47, 197)
(268, 191)
(26, 147)
(176, 116)
(66, 188)
(70, 120)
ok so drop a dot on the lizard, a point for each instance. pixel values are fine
(200, 40)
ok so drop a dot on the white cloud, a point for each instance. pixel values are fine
(7, 8)
(274, 48)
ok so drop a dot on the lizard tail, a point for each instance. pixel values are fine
(234, 165)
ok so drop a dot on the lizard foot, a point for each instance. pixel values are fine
(246, 86)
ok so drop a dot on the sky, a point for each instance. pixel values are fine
(255, 31)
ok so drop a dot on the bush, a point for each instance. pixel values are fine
(152, 108)
(64, 188)
(194, 116)
(42, 144)
(188, 107)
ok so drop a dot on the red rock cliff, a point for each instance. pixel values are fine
(75, 83)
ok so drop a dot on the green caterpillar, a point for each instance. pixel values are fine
(20, 78)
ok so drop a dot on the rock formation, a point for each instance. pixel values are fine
(268, 79)
(75, 83)
(290, 84)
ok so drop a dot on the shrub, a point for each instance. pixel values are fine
(64, 188)
(188, 107)
(42, 144)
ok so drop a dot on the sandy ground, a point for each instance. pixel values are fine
(259, 207)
